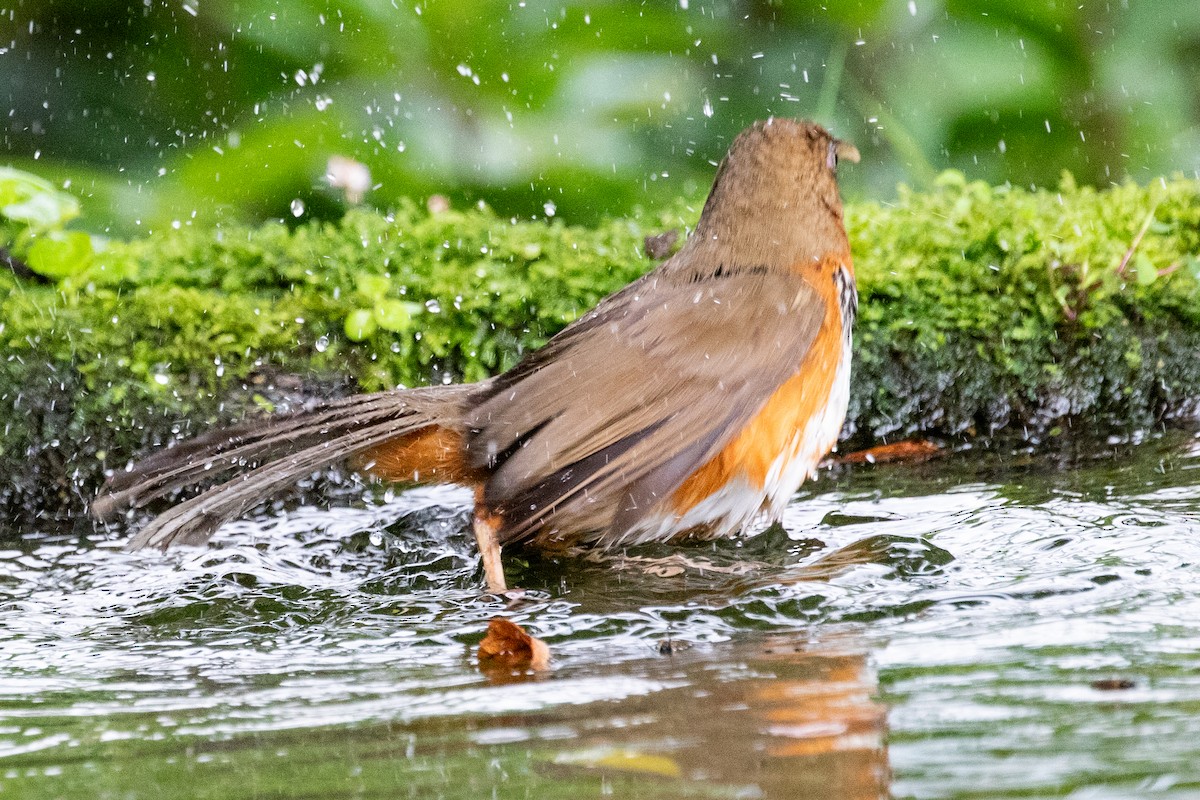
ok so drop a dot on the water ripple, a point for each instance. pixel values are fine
(993, 599)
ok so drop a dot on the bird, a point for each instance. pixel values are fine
(687, 405)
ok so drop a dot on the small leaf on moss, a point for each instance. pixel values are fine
(61, 255)
(372, 287)
(359, 325)
(395, 315)
(1146, 272)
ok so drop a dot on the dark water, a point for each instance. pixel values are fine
(973, 627)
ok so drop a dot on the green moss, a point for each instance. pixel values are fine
(981, 308)
(991, 307)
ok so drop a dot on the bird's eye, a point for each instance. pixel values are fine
(831, 157)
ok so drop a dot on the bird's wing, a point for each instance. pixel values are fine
(622, 406)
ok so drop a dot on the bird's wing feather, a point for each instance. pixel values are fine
(270, 454)
(633, 398)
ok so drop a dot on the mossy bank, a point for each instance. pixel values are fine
(982, 309)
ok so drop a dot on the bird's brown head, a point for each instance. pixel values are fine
(775, 198)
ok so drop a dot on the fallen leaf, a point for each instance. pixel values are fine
(909, 451)
(623, 760)
(1113, 684)
(508, 646)
(642, 763)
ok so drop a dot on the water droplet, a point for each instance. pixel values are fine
(550, 208)
(433, 306)
(707, 108)
(297, 207)
(322, 344)
(912, 7)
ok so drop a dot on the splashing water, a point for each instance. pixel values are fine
(971, 622)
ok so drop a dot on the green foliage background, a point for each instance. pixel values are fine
(173, 112)
(183, 126)
(982, 308)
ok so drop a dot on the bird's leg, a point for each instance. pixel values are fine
(489, 549)
(486, 527)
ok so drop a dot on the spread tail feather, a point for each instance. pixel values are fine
(278, 452)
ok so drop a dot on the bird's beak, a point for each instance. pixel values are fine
(847, 152)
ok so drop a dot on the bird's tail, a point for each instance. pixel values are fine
(271, 455)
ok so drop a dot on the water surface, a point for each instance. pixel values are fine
(976, 626)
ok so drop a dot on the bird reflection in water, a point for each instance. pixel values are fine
(785, 717)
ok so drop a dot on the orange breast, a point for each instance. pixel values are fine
(779, 426)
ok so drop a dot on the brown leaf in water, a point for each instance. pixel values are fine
(909, 451)
(508, 646)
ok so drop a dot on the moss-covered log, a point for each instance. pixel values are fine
(981, 309)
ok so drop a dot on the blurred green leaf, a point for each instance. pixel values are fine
(60, 255)
(591, 109)
(1147, 273)
(34, 202)
(372, 287)
(395, 315)
(359, 325)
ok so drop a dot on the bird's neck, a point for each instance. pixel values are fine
(779, 230)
